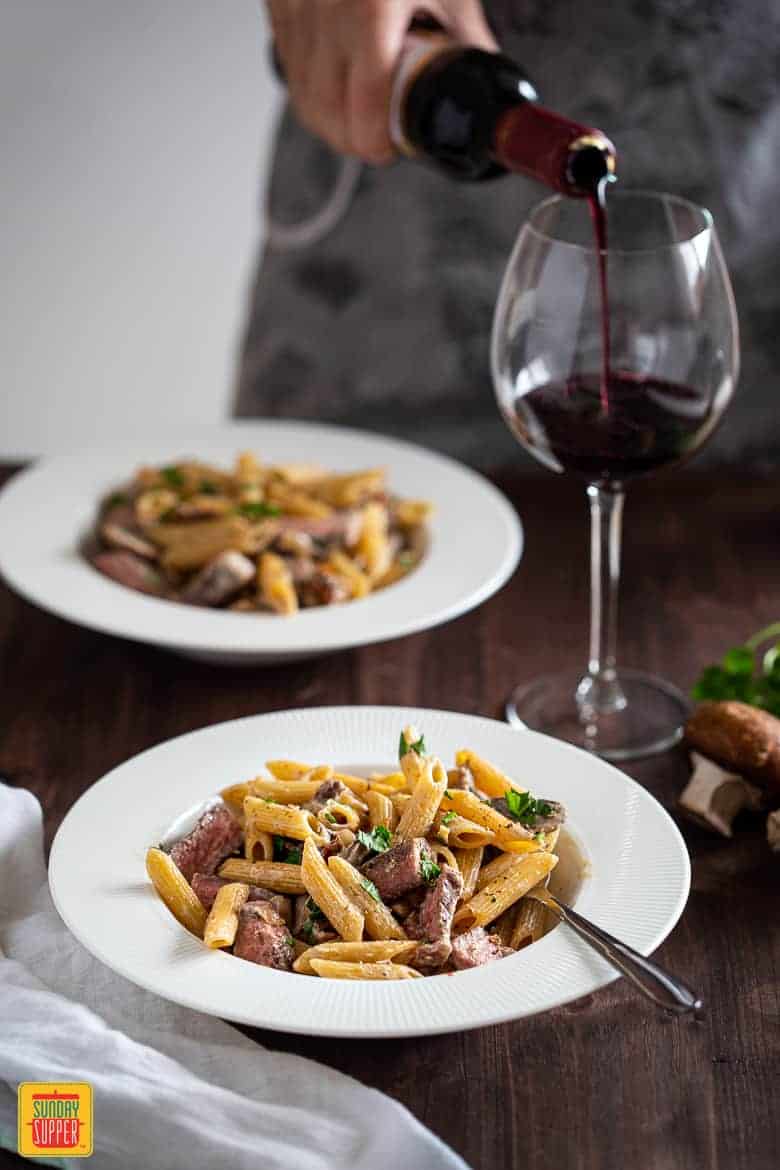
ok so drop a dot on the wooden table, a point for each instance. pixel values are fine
(607, 1082)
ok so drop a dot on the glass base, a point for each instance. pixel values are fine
(647, 719)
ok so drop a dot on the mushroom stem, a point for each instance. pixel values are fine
(713, 796)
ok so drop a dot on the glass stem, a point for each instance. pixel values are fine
(599, 692)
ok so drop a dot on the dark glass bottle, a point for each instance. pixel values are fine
(476, 115)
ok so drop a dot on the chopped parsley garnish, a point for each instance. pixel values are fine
(448, 794)
(207, 488)
(257, 510)
(429, 870)
(307, 930)
(541, 838)
(378, 839)
(404, 747)
(116, 499)
(525, 808)
(330, 817)
(285, 851)
(448, 817)
(370, 888)
(312, 909)
(173, 477)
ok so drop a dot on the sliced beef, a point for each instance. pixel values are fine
(328, 790)
(538, 824)
(323, 588)
(129, 569)
(216, 835)
(128, 538)
(309, 923)
(398, 870)
(432, 923)
(220, 579)
(206, 886)
(262, 937)
(460, 778)
(475, 948)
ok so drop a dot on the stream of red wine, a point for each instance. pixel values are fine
(598, 213)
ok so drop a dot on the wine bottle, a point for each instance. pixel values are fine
(475, 115)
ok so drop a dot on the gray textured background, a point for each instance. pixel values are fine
(384, 323)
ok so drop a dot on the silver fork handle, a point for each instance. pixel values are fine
(664, 989)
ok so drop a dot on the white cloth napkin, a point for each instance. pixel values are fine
(171, 1087)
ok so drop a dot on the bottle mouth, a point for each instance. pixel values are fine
(591, 160)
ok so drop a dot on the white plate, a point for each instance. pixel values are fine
(637, 887)
(45, 512)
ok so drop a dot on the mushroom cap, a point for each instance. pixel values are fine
(741, 738)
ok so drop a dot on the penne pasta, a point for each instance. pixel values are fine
(418, 815)
(411, 513)
(381, 810)
(379, 922)
(334, 814)
(469, 862)
(358, 582)
(356, 952)
(346, 491)
(286, 820)
(373, 546)
(279, 876)
(288, 769)
(258, 844)
(487, 777)
(394, 780)
(528, 924)
(326, 892)
(222, 922)
(494, 898)
(275, 584)
(175, 891)
(461, 833)
(442, 854)
(383, 970)
(507, 834)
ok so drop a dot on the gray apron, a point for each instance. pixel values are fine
(374, 296)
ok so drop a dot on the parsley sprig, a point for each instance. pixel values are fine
(378, 840)
(257, 510)
(404, 746)
(429, 870)
(745, 674)
(370, 888)
(525, 808)
(284, 850)
(172, 477)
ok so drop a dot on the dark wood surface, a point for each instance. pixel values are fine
(607, 1082)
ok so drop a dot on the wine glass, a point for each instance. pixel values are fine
(608, 397)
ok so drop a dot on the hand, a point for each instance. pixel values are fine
(339, 57)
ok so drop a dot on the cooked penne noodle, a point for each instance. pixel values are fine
(248, 469)
(285, 791)
(258, 844)
(442, 854)
(383, 970)
(287, 820)
(508, 834)
(495, 868)
(288, 769)
(334, 814)
(275, 584)
(469, 862)
(222, 922)
(399, 800)
(358, 582)
(503, 925)
(381, 810)
(356, 952)
(487, 777)
(395, 780)
(326, 892)
(419, 813)
(379, 922)
(191, 544)
(411, 513)
(356, 784)
(279, 876)
(345, 491)
(529, 923)
(175, 891)
(494, 898)
(233, 797)
(458, 831)
(373, 546)
(296, 501)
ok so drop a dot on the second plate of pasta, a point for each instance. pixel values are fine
(371, 884)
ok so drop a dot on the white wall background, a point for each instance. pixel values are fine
(134, 139)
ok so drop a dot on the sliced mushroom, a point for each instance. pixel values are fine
(220, 580)
(117, 536)
(713, 796)
(739, 737)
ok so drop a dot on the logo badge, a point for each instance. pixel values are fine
(55, 1119)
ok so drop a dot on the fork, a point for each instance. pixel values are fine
(660, 986)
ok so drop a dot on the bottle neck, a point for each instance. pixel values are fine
(570, 158)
